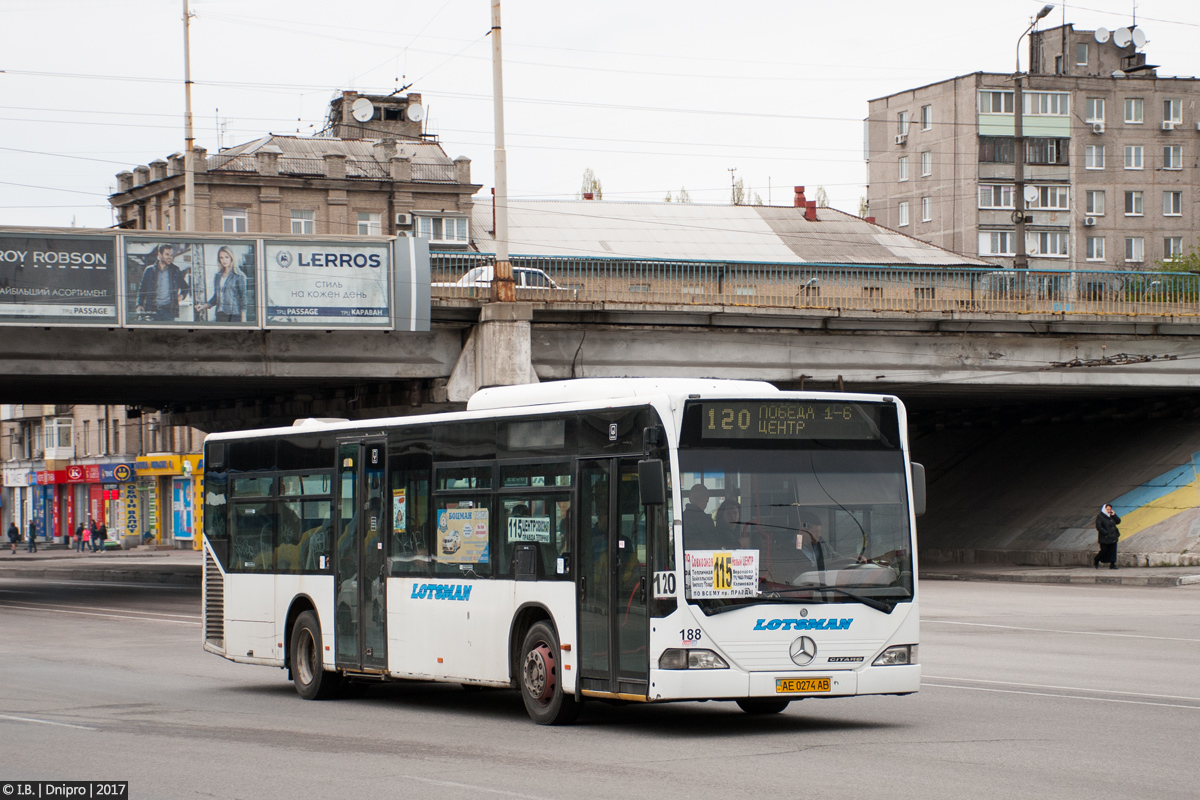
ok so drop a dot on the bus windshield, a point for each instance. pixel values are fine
(768, 523)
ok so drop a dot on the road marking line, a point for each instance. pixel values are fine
(41, 582)
(1062, 696)
(1054, 630)
(93, 614)
(474, 787)
(1065, 688)
(102, 608)
(47, 722)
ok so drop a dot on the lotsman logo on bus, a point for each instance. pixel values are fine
(441, 591)
(803, 624)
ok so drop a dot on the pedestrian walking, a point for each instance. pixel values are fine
(87, 538)
(1108, 536)
(94, 531)
(32, 528)
(14, 535)
(102, 532)
(79, 538)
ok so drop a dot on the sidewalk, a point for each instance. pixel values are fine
(139, 565)
(1124, 576)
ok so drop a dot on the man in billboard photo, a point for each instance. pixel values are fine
(163, 286)
(229, 290)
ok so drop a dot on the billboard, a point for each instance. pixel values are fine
(190, 282)
(58, 279)
(327, 284)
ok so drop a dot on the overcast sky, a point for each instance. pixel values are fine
(653, 96)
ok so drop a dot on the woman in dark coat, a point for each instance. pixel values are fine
(1108, 535)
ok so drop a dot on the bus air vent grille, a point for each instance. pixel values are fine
(214, 602)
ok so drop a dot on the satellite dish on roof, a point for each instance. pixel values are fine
(1031, 194)
(1101, 35)
(362, 110)
(1122, 37)
(416, 112)
(1139, 37)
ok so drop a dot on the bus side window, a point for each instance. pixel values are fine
(411, 549)
(253, 537)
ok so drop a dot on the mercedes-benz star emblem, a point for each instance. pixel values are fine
(803, 651)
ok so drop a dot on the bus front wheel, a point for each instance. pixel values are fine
(308, 672)
(762, 706)
(541, 687)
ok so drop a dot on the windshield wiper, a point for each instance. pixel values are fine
(870, 602)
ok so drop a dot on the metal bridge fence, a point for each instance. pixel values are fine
(817, 287)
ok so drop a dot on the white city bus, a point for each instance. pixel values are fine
(626, 539)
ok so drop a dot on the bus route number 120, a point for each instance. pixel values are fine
(664, 584)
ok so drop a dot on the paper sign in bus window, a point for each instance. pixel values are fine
(399, 512)
(709, 574)
(462, 536)
(529, 529)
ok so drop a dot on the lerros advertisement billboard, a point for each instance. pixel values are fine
(327, 284)
(46, 278)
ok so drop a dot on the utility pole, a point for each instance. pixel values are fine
(189, 165)
(732, 186)
(1021, 260)
(503, 289)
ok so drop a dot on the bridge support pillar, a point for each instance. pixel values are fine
(497, 352)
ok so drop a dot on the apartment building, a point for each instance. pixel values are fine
(1110, 157)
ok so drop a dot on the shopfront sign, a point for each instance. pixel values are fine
(159, 465)
(46, 477)
(117, 473)
(19, 477)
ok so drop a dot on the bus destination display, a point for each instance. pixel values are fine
(788, 419)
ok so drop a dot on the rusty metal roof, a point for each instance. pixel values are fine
(692, 231)
(301, 155)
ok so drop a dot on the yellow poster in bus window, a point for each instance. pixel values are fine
(462, 536)
(399, 510)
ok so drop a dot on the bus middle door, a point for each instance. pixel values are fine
(360, 622)
(614, 631)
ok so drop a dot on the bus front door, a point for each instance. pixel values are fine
(614, 634)
(360, 630)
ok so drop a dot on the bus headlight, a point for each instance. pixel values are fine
(677, 658)
(896, 655)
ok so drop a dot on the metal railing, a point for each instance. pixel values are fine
(433, 173)
(828, 287)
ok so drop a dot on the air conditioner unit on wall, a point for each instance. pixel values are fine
(403, 218)
(1097, 127)
(1089, 222)
(901, 138)
(1168, 125)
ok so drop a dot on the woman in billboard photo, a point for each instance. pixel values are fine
(229, 290)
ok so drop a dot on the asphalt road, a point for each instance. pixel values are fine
(1030, 691)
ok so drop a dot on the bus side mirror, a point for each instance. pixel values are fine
(918, 484)
(652, 483)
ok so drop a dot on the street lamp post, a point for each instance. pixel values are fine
(1021, 261)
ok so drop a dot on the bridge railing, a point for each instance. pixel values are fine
(813, 286)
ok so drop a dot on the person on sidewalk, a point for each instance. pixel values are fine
(32, 528)
(79, 538)
(94, 529)
(1108, 536)
(87, 537)
(102, 536)
(14, 536)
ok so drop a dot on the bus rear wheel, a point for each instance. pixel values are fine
(308, 672)
(539, 680)
(762, 705)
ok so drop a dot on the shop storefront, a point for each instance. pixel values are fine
(167, 490)
(17, 497)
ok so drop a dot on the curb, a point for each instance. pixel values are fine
(191, 578)
(1073, 580)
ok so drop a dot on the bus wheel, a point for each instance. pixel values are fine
(762, 706)
(308, 673)
(541, 688)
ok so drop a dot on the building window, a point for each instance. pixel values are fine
(1046, 151)
(59, 432)
(902, 165)
(1172, 204)
(1173, 156)
(87, 437)
(997, 243)
(116, 436)
(1135, 248)
(996, 196)
(370, 223)
(1053, 104)
(995, 149)
(1053, 243)
(1093, 157)
(1052, 198)
(1133, 112)
(442, 229)
(1058, 65)
(1172, 247)
(1081, 54)
(102, 434)
(233, 220)
(1133, 204)
(303, 221)
(926, 118)
(902, 123)
(1095, 248)
(1095, 203)
(995, 102)
(926, 209)
(926, 164)
(1095, 109)
(903, 215)
(1173, 111)
(1133, 156)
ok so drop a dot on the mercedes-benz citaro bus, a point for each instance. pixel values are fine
(625, 540)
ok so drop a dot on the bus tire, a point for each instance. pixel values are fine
(312, 681)
(762, 705)
(539, 679)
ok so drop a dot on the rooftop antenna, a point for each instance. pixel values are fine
(732, 186)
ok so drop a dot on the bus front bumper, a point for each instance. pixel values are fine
(700, 684)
